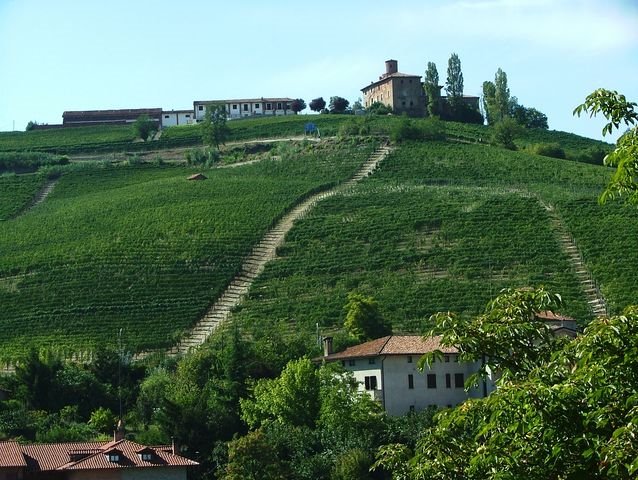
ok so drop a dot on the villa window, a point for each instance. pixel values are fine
(448, 380)
(409, 358)
(371, 361)
(370, 383)
(410, 381)
(352, 363)
(234, 106)
(278, 105)
(459, 380)
(245, 107)
(431, 380)
(200, 108)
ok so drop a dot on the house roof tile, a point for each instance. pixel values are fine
(94, 456)
(11, 455)
(393, 345)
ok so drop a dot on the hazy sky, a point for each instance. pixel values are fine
(58, 55)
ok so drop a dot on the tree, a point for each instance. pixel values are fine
(432, 91)
(338, 104)
(501, 96)
(143, 127)
(293, 398)
(378, 108)
(297, 105)
(489, 102)
(505, 132)
(527, 117)
(31, 126)
(573, 415)
(454, 82)
(363, 318)
(317, 104)
(617, 110)
(214, 128)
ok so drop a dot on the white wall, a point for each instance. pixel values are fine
(171, 119)
(392, 382)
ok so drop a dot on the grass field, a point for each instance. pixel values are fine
(439, 227)
(143, 249)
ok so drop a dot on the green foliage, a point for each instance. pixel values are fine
(353, 464)
(355, 126)
(253, 457)
(29, 161)
(338, 105)
(572, 416)
(454, 82)
(432, 90)
(317, 104)
(103, 420)
(143, 127)
(202, 156)
(553, 150)
(505, 132)
(408, 129)
(507, 338)
(378, 108)
(363, 318)
(215, 132)
(31, 126)
(501, 96)
(616, 110)
(297, 105)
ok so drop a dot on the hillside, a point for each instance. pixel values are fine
(439, 226)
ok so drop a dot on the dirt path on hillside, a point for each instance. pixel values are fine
(39, 197)
(175, 154)
(261, 254)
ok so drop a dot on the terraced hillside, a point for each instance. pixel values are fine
(444, 226)
(143, 249)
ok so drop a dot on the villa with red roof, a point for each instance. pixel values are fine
(386, 368)
(113, 460)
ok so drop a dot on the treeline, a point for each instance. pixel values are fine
(22, 162)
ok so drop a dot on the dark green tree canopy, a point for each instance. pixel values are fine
(338, 105)
(297, 105)
(317, 104)
(214, 129)
(143, 127)
(454, 82)
(364, 320)
(432, 90)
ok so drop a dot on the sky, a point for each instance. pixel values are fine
(103, 54)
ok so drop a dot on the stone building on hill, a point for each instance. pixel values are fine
(403, 93)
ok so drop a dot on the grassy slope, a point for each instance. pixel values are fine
(142, 248)
(16, 191)
(443, 227)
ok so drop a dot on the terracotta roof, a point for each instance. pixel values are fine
(393, 345)
(95, 456)
(548, 315)
(11, 455)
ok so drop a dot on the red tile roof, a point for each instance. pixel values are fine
(548, 315)
(11, 455)
(94, 456)
(393, 345)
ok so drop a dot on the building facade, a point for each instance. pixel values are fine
(109, 117)
(401, 92)
(173, 118)
(246, 107)
(386, 369)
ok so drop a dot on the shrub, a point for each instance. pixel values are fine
(407, 129)
(505, 132)
(378, 108)
(553, 150)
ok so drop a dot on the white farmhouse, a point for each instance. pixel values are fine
(246, 107)
(173, 118)
(386, 368)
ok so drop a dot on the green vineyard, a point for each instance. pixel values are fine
(142, 248)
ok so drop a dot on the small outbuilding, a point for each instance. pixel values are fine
(198, 176)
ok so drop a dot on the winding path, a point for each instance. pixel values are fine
(261, 254)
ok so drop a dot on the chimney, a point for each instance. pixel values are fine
(120, 432)
(391, 66)
(327, 346)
